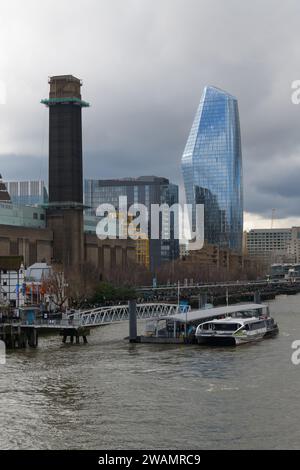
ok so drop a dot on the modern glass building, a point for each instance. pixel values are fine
(212, 168)
(27, 193)
(145, 190)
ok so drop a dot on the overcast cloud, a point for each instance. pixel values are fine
(144, 64)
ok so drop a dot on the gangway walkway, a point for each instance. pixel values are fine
(18, 333)
(118, 313)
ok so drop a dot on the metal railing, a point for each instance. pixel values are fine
(119, 313)
(104, 316)
(236, 283)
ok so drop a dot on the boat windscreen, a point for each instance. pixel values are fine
(221, 326)
(247, 313)
(227, 326)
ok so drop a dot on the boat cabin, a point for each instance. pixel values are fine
(182, 326)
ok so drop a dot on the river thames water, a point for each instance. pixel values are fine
(109, 394)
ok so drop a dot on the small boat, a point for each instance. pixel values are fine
(231, 331)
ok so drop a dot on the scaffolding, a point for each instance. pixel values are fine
(143, 252)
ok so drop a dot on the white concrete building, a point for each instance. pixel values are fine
(294, 245)
(269, 245)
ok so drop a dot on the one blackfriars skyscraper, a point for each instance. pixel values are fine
(212, 168)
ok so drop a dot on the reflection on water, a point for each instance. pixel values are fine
(111, 394)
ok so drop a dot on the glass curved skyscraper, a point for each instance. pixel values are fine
(212, 168)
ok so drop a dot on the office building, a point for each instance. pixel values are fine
(145, 190)
(269, 245)
(212, 168)
(27, 193)
(293, 246)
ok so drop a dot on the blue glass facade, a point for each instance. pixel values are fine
(212, 168)
(145, 190)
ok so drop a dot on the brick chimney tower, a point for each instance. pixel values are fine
(65, 208)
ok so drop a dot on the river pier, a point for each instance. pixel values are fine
(21, 336)
(75, 333)
(23, 332)
(16, 336)
(218, 293)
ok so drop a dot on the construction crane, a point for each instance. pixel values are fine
(272, 218)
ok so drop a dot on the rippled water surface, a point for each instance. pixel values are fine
(110, 394)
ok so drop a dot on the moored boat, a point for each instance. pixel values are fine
(181, 327)
(240, 324)
(231, 331)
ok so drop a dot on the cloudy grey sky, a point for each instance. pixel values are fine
(144, 64)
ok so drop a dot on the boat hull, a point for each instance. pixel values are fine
(230, 340)
(216, 340)
(272, 332)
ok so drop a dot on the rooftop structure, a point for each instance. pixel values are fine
(27, 193)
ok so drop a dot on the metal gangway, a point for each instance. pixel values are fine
(119, 313)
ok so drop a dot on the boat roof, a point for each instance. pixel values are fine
(242, 321)
(206, 314)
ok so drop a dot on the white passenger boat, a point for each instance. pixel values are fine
(231, 331)
(182, 326)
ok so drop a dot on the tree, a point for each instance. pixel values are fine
(107, 292)
(133, 274)
(82, 284)
(56, 287)
(201, 272)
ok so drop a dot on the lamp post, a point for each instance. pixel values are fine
(185, 329)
